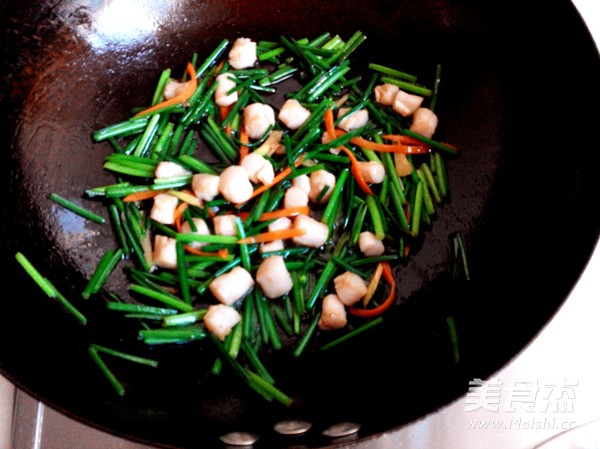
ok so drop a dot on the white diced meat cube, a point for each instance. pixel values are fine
(333, 313)
(163, 208)
(243, 53)
(293, 114)
(225, 225)
(225, 82)
(406, 104)
(165, 253)
(274, 245)
(258, 117)
(205, 186)
(259, 168)
(174, 88)
(372, 172)
(303, 182)
(357, 119)
(370, 245)
(349, 287)
(385, 93)
(281, 224)
(168, 169)
(201, 229)
(319, 180)
(234, 184)
(325, 139)
(231, 286)
(424, 122)
(221, 319)
(315, 232)
(273, 277)
(295, 197)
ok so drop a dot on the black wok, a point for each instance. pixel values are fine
(519, 97)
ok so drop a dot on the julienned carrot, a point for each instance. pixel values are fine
(142, 195)
(182, 97)
(389, 277)
(179, 210)
(354, 168)
(244, 150)
(223, 253)
(273, 235)
(413, 148)
(286, 212)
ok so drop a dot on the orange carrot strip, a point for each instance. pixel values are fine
(223, 253)
(244, 150)
(178, 215)
(330, 124)
(273, 235)
(143, 195)
(183, 96)
(400, 138)
(390, 148)
(286, 212)
(389, 277)
(355, 169)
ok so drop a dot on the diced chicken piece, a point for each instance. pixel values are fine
(349, 287)
(168, 169)
(372, 172)
(281, 224)
(174, 88)
(201, 229)
(258, 117)
(295, 197)
(293, 114)
(221, 319)
(231, 286)
(370, 245)
(319, 180)
(385, 93)
(424, 122)
(325, 139)
(163, 208)
(259, 169)
(303, 182)
(402, 164)
(234, 184)
(274, 245)
(165, 253)
(243, 53)
(315, 232)
(357, 119)
(406, 104)
(333, 313)
(273, 277)
(205, 186)
(225, 225)
(225, 82)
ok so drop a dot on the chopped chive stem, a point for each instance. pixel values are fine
(143, 145)
(392, 72)
(432, 143)
(209, 238)
(244, 254)
(349, 266)
(417, 208)
(408, 86)
(196, 164)
(308, 335)
(212, 58)
(256, 362)
(182, 271)
(172, 334)
(375, 214)
(169, 300)
(431, 184)
(375, 259)
(106, 371)
(105, 267)
(121, 129)
(160, 86)
(436, 87)
(79, 210)
(282, 319)
(139, 308)
(440, 174)
(332, 204)
(125, 355)
(359, 330)
(269, 388)
(460, 256)
(453, 338)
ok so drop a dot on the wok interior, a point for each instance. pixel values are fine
(514, 194)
